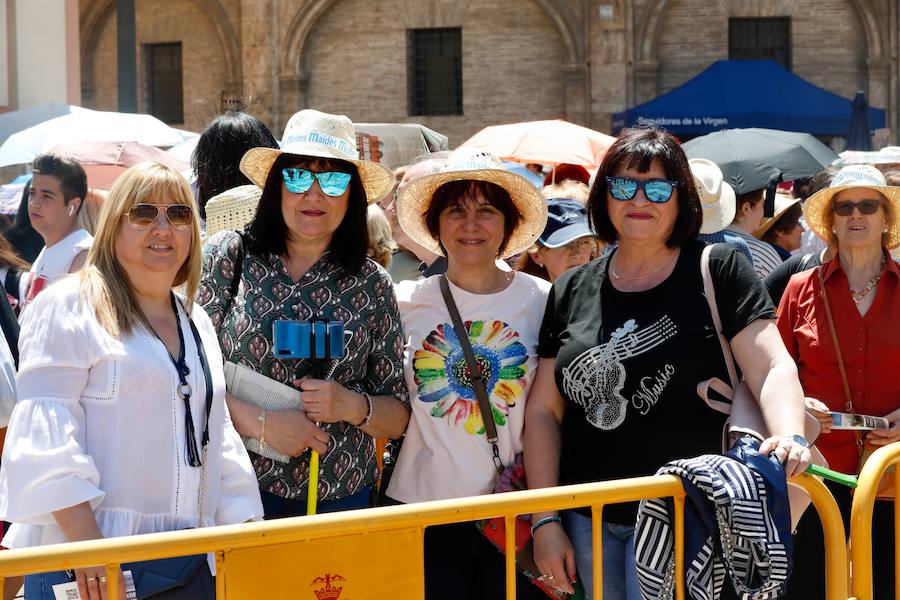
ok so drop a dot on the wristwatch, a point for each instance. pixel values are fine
(799, 439)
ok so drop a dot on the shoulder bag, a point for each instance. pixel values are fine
(864, 448)
(742, 407)
(511, 478)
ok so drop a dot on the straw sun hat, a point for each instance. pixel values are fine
(717, 198)
(783, 203)
(320, 135)
(415, 197)
(232, 209)
(817, 207)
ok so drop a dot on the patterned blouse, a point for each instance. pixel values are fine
(364, 301)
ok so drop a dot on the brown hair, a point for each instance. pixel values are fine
(527, 264)
(752, 198)
(8, 256)
(456, 192)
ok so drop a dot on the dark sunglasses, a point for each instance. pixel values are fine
(866, 207)
(657, 191)
(298, 181)
(142, 216)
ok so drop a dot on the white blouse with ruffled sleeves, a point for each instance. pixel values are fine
(98, 420)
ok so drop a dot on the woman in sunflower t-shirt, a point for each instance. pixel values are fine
(472, 212)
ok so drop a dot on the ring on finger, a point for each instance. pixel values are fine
(91, 578)
(103, 579)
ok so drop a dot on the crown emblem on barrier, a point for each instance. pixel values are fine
(328, 591)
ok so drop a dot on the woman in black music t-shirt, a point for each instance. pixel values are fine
(624, 343)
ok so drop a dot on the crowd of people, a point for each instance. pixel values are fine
(485, 324)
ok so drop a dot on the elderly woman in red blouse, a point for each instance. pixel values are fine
(858, 215)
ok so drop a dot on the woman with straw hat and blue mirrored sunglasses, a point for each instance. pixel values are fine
(303, 258)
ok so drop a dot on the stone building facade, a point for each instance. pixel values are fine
(581, 60)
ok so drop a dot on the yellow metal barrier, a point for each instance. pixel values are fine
(379, 552)
(861, 520)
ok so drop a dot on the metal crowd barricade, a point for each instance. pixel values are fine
(861, 520)
(380, 552)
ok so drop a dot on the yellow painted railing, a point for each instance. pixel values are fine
(861, 521)
(379, 553)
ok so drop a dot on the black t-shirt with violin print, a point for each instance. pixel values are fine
(628, 364)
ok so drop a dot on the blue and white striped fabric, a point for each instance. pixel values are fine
(734, 524)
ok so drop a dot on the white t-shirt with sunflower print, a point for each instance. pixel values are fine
(446, 453)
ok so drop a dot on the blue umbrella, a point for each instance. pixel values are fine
(858, 137)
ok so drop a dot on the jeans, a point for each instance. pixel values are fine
(620, 580)
(37, 584)
(277, 507)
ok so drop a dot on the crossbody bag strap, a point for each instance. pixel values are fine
(487, 416)
(840, 356)
(710, 292)
(834, 340)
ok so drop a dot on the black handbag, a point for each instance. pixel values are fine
(178, 578)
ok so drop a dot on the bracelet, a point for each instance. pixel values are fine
(542, 522)
(365, 422)
(262, 431)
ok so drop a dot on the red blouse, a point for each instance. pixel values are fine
(870, 346)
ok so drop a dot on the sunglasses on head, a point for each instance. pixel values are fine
(142, 216)
(298, 181)
(657, 191)
(866, 207)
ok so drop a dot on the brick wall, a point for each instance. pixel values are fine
(694, 33)
(512, 59)
(829, 45)
(203, 63)
(827, 41)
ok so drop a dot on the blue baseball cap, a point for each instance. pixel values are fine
(566, 222)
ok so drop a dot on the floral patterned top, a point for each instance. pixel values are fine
(364, 301)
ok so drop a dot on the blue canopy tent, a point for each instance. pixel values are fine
(733, 94)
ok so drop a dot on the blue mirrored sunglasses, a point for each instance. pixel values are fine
(298, 181)
(657, 191)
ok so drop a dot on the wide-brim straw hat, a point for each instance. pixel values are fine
(320, 135)
(415, 197)
(232, 209)
(717, 197)
(817, 207)
(783, 203)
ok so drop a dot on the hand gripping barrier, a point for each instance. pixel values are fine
(378, 553)
(861, 520)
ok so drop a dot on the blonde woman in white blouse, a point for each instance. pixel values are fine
(109, 438)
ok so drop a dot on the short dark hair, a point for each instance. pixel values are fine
(637, 149)
(455, 192)
(350, 241)
(752, 198)
(217, 157)
(72, 178)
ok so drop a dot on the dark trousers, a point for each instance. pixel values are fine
(808, 575)
(277, 507)
(461, 563)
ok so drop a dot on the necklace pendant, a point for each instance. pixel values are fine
(184, 390)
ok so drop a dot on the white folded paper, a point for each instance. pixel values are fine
(264, 392)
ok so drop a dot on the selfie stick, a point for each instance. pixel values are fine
(310, 340)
